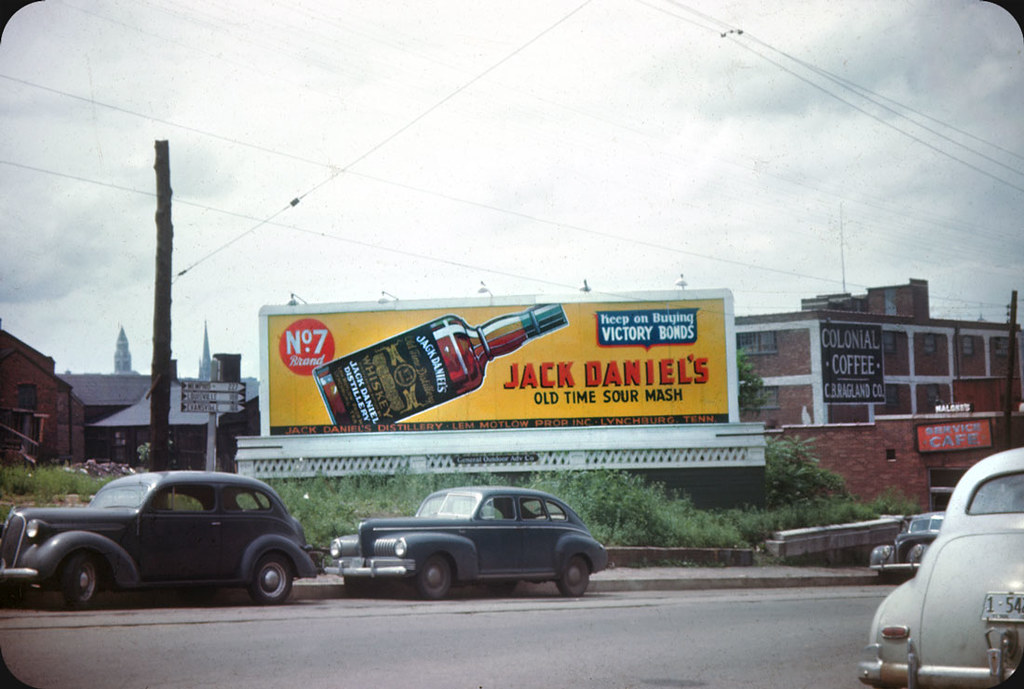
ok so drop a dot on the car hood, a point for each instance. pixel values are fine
(962, 571)
(83, 518)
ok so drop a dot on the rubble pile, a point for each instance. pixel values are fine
(101, 469)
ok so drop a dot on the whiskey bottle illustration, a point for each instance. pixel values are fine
(426, 366)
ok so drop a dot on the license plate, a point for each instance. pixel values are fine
(1003, 607)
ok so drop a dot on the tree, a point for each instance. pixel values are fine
(752, 392)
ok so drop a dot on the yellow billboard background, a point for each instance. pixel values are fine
(562, 378)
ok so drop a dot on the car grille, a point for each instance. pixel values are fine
(384, 547)
(13, 535)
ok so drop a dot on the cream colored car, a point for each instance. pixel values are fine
(959, 621)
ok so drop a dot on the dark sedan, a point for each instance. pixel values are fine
(492, 535)
(904, 556)
(166, 529)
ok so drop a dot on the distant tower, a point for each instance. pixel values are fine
(122, 357)
(204, 363)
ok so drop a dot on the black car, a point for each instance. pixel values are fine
(904, 556)
(166, 529)
(492, 535)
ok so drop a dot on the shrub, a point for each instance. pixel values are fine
(792, 475)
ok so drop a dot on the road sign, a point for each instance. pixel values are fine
(211, 396)
(211, 407)
(205, 396)
(212, 386)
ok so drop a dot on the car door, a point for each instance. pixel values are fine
(180, 534)
(247, 513)
(538, 535)
(495, 532)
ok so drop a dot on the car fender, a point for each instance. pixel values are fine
(462, 551)
(46, 557)
(304, 567)
(577, 544)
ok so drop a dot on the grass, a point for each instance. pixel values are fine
(620, 509)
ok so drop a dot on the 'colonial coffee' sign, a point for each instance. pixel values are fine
(851, 363)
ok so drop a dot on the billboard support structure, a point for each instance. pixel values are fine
(643, 381)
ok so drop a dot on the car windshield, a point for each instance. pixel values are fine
(999, 495)
(453, 505)
(124, 495)
(925, 524)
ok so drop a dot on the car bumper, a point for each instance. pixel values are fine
(372, 567)
(872, 670)
(895, 567)
(17, 573)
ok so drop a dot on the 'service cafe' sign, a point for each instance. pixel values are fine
(955, 435)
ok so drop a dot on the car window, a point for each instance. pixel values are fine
(999, 495)
(184, 499)
(245, 500)
(500, 507)
(431, 506)
(532, 508)
(121, 496)
(919, 525)
(457, 505)
(556, 511)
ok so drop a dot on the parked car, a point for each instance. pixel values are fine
(492, 535)
(904, 556)
(958, 622)
(167, 529)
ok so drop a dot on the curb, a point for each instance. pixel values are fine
(327, 587)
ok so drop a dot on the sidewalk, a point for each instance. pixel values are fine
(660, 579)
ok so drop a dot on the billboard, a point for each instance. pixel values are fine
(497, 364)
(852, 363)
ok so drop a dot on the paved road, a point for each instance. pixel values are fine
(765, 638)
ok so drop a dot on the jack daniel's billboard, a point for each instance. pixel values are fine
(505, 363)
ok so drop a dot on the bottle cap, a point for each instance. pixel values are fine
(543, 318)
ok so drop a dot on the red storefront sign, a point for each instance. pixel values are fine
(954, 435)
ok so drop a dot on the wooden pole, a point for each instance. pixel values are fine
(160, 397)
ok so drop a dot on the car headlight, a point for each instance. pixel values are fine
(336, 548)
(916, 553)
(401, 548)
(33, 528)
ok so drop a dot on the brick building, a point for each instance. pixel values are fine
(40, 417)
(921, 376)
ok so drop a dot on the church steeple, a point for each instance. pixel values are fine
(204, 363)
(122, 357)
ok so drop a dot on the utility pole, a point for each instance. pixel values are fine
(1010, 359)
(160, 390)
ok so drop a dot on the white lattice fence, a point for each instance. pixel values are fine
(499, 462)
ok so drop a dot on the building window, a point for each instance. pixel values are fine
(890, 301)
(967, 345)
(941, 483)
(27, 396)
(892, 395)
(771, 397)
(757, 342)
(930, 344)
(889, 341)
(934, 393)
(1001, 346)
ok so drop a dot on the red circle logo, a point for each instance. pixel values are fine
(304, 345)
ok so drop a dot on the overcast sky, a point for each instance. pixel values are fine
(780, 150)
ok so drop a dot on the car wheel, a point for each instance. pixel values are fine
(435, 578)
(575, 578)
(272, 580)
(80, 580)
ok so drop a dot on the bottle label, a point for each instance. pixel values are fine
(393, 379)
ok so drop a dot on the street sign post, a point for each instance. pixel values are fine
(211, 397)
